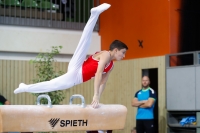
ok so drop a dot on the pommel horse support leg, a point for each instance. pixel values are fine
(41, 118)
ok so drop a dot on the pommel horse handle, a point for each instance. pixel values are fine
(78, 96)
(44, 96)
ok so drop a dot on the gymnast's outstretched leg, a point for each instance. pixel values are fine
(72, 77)
(85, 41)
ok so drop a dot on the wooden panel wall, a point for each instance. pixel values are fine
(124, 81)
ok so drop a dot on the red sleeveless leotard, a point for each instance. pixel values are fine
(89, 68)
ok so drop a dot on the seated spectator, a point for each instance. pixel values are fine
(67, 8)
(4, 101)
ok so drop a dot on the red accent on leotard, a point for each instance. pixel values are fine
(89, 68)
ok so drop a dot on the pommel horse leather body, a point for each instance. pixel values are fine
(40, 118)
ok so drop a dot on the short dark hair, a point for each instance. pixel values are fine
(118, 44)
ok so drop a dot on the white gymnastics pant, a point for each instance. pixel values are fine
(74, 73)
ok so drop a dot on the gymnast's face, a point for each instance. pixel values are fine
(120, 54)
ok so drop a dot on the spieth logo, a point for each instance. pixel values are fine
(67, 123)
(53, 122)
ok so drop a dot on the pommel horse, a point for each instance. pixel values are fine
(50, 118)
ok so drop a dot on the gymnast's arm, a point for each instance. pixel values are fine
(103, 60)
(103, 82)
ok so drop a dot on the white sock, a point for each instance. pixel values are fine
(100, 8)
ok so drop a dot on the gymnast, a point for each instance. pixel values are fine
(81, 69)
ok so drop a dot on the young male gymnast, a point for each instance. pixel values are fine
(80, 70)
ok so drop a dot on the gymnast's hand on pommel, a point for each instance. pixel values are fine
(95, 102)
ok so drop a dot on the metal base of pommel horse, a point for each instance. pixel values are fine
(50, 118)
